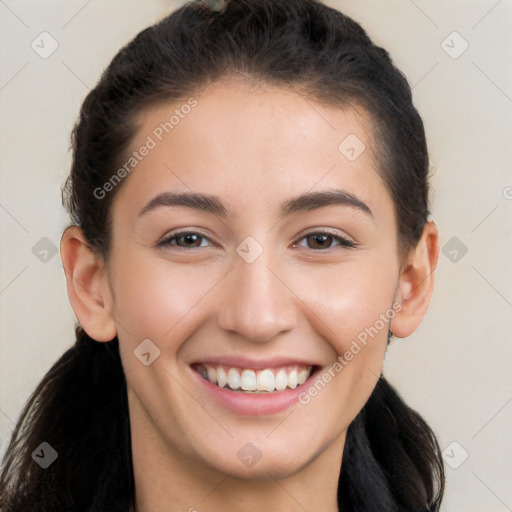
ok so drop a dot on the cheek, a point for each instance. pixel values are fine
(347, 307)
(348, 300)
(159, 300)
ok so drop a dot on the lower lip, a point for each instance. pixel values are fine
(253, 404)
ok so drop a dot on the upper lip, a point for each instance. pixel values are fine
(237, 361)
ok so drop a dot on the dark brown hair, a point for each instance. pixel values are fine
(391, 461)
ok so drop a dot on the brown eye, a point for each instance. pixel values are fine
(321, 241)
(189, 240)
(184, 240)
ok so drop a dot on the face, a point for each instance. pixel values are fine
(271, 282)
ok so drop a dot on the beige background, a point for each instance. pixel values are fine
(455, 370)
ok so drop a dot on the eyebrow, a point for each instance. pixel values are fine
(212, 204)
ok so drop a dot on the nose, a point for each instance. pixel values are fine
(256, 302)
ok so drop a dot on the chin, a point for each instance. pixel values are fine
(257, 464)
(270, 468)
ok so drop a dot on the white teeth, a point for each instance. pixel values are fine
(281, 380)
(302, 376)
(265, 381)
(233, 379)
(212, 374)
(292, 379)
(222, 378)
(248, 380)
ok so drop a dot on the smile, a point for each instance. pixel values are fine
(245, 380)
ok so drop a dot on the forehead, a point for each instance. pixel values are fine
(252, 116)
(250, 142)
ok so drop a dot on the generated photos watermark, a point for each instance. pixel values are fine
(151, 142)
(343, 360)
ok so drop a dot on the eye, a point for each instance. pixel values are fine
(184, 239)
(317, 240)
(321, 240)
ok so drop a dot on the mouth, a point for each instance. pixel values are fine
(257, 381)
(252, 387)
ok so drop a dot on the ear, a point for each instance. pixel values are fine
(87, 284)
(416, 283)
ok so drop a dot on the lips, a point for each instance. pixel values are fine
(271, 386)
(271, 379)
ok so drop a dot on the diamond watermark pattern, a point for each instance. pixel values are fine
(249, 249)
(249, 455)
(44, 455)
(44, 250)
(44, 45)
(454, 45)
(454, 249)
(351, 147)
(146, 352)
(455, 455)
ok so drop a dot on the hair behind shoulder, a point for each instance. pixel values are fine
(390, 447)
(80, 409)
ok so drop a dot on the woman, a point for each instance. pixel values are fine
(250, 224)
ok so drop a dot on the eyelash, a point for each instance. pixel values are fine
(344, 243)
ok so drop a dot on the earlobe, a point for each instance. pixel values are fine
(416, 283)
(87, 285)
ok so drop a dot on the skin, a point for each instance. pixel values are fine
(253, 147)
